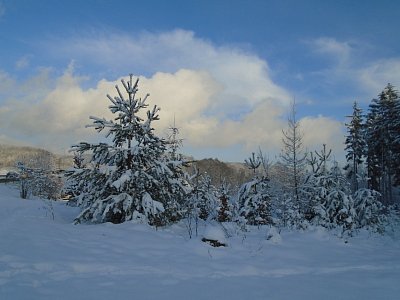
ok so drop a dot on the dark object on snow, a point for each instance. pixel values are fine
(12, 176)
(214, 243)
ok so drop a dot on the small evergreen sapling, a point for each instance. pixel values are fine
(74, 186)
(330, 202)
(224, 209)
(369, 210)
(205, 197)
(254, 198)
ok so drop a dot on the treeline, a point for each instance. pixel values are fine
(140, 176)
(373, 145)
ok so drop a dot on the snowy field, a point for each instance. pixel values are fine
(42, 258)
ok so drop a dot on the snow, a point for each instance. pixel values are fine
(214, 232)
(42, 258)
(150, 206)
(273, 235)
(125, 177)
(3, 172)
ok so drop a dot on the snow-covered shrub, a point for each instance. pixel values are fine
(224, 209)
(341, 211)
(215, 235)
(392, 222)
(273, 235)
(329, 202)
(254, 202)
(73, 186)
(369, 210)
(288, 212)
(206, 198)
(38, 182)
(203, 199)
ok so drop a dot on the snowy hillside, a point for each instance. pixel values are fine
(42, 258)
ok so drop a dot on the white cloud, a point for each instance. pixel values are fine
(244, 76)
(378, 74)
(365, 77)
(341, 51)
(322, 130)
(22, 63)
(47, 113)
(58, 119)
(222, 98)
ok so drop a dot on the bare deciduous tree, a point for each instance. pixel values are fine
(293, 157)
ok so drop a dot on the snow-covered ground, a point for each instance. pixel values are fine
(42, 258)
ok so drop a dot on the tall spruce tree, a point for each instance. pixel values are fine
(383, 140)
(355, 145)
(133, 177)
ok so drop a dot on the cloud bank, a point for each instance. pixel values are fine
(221, 97)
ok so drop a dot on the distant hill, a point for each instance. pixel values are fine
(234, 173)
(10, 155)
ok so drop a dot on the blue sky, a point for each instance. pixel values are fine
(226, 69)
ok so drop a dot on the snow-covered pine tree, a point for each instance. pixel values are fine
(254, 198)
(191, 208)
(201, 203)
(131, 178)
(176, 163)
(373, 159)
(205, 197)
(383, 141)
(174, 142)
(74, 185)
(355, 145)
(369, 210)
(318, 161)
(224, 208)
(331, 203)
(78, 160)
(341, 204)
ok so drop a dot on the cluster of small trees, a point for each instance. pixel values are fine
(140, 176)
(312, 189)
(36, 177)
